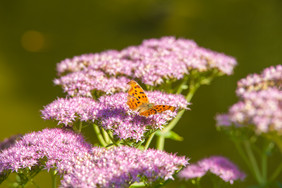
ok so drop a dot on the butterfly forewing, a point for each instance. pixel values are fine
(133, 102)
(136, 96)
(137, 91)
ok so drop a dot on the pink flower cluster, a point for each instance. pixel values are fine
(217, 165)
(112, 113)
(84, 166)
(6, 143)
(260, 102)
(263, 109)
(270, 77)
(152, 62)
(54, 144)
(122, 166)
(68, 110)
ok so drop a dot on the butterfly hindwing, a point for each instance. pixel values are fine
(148, 112)
(161, 108)
(157, 109)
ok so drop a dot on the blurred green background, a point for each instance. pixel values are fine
(35, 35)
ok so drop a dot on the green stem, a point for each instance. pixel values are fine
(241, 153)
(253, 162)
(34, 183)
(193, 89)
(180, 88)
(80, 127)
(99, 135)
(149, 140)
(54, 179)
(244, 156)
(171, 125)
(112, 138)
(160, 142)
(276, 173)
(264, 166)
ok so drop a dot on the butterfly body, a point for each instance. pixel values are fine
(138, 101)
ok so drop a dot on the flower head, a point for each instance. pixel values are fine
(270, 77)
(53, 144)
(84, 166)
(152, 62)
(120, 167)
(83, 83)
(217, 165)
(112, 113)
(66, 111)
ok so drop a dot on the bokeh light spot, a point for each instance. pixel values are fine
(33, 41)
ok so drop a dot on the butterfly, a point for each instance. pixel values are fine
(137, 100)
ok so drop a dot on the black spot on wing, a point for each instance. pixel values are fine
(154, 111)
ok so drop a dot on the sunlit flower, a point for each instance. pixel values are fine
(120, 167)
(112, 113)
(83, 166)
(53, 144)
(270, 77)
(152, 62)
(83, 83)
(68, 110)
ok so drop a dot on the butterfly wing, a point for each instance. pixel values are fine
(157, 109)
(133, 102)
(136, 96)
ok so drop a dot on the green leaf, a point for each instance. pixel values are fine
(140, 184)
(170, 135)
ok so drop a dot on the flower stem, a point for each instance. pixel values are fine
(99, 135)
(264, 166)
(149, 141)
(160, 142)
(276, 173)
(253, 162)
(54, 178)
(242, 154)
(34, 183)
(171, 125)
(80, 127)
(112, 138)
(182, 85)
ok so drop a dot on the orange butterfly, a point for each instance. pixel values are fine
(138, 101)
